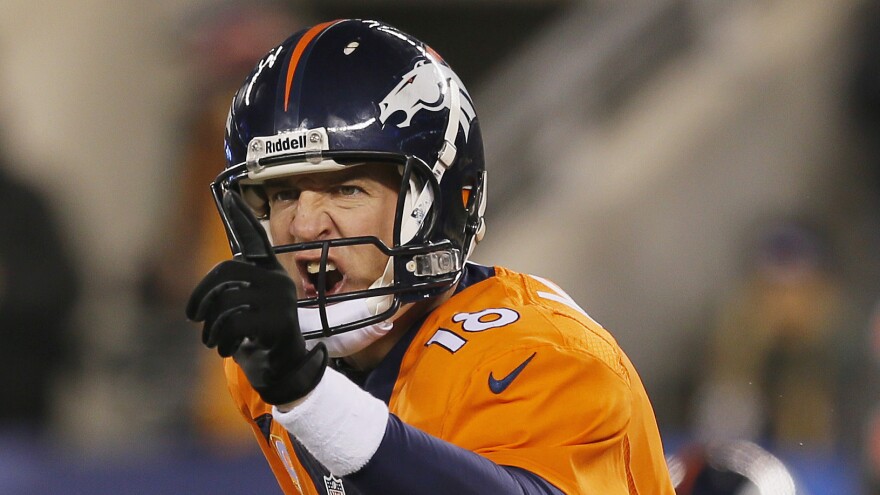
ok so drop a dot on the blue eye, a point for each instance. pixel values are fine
(349, 190)
(284, 195)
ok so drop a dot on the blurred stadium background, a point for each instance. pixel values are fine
(702, 176)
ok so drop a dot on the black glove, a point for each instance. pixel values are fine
(249, 310)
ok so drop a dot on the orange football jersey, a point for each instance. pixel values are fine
(513, 369)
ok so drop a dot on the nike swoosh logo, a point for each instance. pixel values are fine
(498, 386)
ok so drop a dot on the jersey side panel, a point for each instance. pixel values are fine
(646, 459)
(292, 477)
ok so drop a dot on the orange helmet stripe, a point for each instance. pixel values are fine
(297, 53)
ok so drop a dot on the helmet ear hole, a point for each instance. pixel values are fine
(466, 195)
(474, 201)
(471, 195)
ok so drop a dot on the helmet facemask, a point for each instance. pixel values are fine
(416, 269)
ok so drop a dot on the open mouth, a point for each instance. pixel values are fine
(332, 280)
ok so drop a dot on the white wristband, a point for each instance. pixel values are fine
(338, 422)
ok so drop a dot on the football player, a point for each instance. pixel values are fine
(368, 355)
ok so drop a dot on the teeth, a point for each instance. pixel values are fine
(314, 267)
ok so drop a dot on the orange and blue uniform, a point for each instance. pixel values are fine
(510, 369)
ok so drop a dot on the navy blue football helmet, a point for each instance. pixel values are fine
(349, 92)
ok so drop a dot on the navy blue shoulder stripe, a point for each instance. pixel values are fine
(380, 382)
(474, 274)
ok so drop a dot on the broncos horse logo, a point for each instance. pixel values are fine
(418, 90)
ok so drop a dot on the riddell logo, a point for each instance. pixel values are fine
(286, 144)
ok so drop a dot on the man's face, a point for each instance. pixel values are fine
(358, 201)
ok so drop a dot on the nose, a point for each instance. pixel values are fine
(311, 221)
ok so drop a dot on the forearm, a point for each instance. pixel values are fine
(409, 460)
(353, 435)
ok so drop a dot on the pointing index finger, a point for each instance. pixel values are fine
(253, 241)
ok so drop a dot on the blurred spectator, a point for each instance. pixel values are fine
(871, 454)
(729, 468)
(777, 362)
(864, 107)
(221, 44)
(862, 102)
(38, 290)
(864, 95)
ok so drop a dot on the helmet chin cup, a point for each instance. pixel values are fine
(345, 343)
